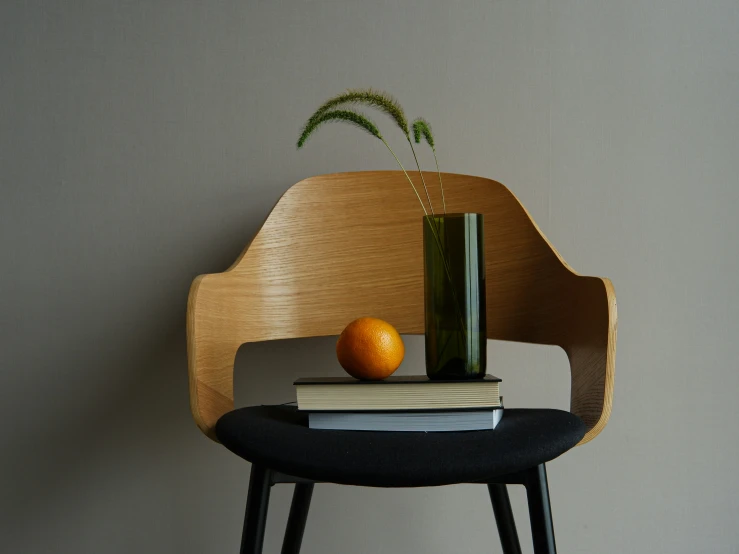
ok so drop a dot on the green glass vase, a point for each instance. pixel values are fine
(454, 291)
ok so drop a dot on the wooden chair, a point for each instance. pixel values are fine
(337, 247)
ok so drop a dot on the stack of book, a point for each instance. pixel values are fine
(400, 404)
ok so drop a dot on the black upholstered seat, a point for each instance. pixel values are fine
(278, 437)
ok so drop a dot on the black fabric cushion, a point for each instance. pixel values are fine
(278, 437)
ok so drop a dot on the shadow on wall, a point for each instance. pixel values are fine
(102, 421)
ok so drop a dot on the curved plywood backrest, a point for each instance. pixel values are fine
(337, 247)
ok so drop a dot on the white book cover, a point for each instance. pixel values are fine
(438, 421)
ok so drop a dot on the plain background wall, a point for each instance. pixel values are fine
(142, 143)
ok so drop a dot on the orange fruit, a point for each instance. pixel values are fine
(370, 349)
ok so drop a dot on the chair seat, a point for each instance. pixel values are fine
(278, 437)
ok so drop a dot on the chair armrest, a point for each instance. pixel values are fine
(211, 351)
(590, 344)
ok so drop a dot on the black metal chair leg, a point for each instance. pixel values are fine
(257, 503)
(504, 518)
(297, 518)
(540, 511)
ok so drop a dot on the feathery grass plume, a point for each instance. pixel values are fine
(358, 120)
(368, 97)
(381, 101)
(422, 128)
(353, 118)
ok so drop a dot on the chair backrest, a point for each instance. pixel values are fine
(337, 247)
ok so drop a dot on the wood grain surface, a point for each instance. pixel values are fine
(337, 247)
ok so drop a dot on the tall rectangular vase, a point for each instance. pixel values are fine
(454, 291)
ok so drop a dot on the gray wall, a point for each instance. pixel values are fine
(141, 144)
